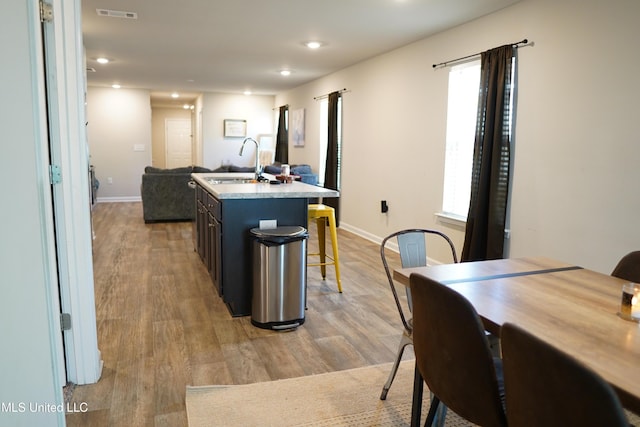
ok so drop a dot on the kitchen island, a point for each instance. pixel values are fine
(228, 205)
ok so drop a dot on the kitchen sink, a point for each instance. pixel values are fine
(234, 180)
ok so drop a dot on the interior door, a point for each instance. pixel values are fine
(48, 53)
(178, 142)
(69, 158)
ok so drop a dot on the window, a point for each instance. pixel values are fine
(324, 137)
(464, 81)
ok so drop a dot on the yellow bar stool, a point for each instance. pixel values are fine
(321, 213)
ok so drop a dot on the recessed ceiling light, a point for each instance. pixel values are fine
(247, 92)
(313, 44)
(174, 95)
(102, 60)
(186, 106)
(285, 72)
(115, 86)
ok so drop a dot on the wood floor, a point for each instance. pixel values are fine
(162, 327)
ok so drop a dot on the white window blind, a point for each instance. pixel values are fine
(324, 125)
(464, 83)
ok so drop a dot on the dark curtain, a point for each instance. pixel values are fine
(484, 236)
(332, 168)
(282, 137)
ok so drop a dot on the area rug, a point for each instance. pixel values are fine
(343, 398)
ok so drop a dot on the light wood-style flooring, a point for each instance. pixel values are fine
(161, 325)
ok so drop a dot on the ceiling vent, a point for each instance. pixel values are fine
(117, 14)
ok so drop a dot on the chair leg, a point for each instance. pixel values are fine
(321, 225)
(416, 401)
(437, 411)
(334, 247)
(433, 411)
(441, 414)
(405, 341)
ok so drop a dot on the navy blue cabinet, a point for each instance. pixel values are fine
(224, 241)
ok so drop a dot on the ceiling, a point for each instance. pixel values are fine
(232, 46)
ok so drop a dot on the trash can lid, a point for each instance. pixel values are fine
(284, 231)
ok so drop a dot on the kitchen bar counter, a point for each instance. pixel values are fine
(225, 214)
(259, 190)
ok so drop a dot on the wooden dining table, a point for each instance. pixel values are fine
(572, 308)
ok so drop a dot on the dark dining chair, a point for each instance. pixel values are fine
(546, 387)
(628, 268)
(453, 356)
(412, 246)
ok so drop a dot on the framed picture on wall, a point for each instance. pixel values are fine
(235, 128)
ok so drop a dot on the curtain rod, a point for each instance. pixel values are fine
(277, 108)
(444, 64)
(317, 98)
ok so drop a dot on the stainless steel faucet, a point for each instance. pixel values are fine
(258, 168)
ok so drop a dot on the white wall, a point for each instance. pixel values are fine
(574, 194)
(256, 110)
(27, 358)
(118, 120)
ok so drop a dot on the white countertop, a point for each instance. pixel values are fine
(259, 190)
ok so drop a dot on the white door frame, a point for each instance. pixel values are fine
(65, 76)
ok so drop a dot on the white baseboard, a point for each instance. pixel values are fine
(392, 245)
(124, 199)
(361, 233)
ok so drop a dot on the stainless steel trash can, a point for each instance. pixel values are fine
(279, 277)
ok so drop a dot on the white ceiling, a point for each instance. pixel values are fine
(230, 46)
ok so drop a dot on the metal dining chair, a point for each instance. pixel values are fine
(453, 356)
(628, 268)
(412, 245)
(546, 387)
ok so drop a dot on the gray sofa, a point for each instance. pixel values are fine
(166, 195)
(303, 171)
